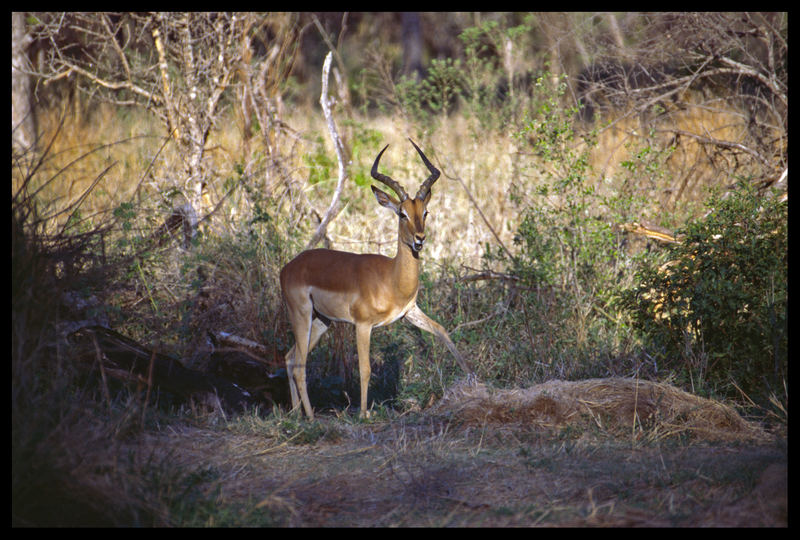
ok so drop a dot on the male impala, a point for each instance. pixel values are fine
(322, 285)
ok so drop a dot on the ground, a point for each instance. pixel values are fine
(429, 472)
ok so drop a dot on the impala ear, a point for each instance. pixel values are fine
(384, 199)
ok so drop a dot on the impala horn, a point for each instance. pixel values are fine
(396, 187)
(426, 185)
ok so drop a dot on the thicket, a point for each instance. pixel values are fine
(707, 311)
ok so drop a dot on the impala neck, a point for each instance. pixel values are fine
(406, 269)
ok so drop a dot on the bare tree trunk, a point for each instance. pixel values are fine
(195, 142)
(23, 119)
(412, 44)
(335, 207)
(615, 31)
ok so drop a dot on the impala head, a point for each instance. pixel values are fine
(412, 212)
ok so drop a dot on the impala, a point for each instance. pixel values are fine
(368, 290)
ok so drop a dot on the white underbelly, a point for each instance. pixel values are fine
(337, 307)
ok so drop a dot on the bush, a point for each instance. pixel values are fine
(567, 262)
(483, 86)
(716, 312)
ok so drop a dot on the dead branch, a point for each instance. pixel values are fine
(489, 274)
(651, 231)
(718, 142)
(334, 208)
(259, 351)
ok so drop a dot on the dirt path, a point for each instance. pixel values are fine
(431, 473)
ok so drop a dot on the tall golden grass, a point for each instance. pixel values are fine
(688, 130)
(132, 141)
(470, 206)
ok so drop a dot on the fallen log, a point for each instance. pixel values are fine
(123, 358)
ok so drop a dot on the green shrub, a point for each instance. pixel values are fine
(716, 312)
(483, 85)
(567, 254)
(321, 166)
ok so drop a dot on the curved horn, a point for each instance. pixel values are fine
(396, 187)
(426, 185)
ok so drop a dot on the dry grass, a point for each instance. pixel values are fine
(502, 468)
(693, 165)
(362, 226)
(79, 148)
(558, 454)
(458, 232)
(642, 409)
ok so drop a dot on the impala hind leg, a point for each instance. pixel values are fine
(307, 332)
(290, 375)
(363, 332)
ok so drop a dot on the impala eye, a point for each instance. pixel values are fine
(403, 214)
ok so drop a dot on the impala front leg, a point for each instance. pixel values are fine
(418, 318)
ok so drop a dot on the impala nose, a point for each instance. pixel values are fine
(419, 239)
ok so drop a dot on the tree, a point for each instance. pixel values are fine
(713, 82)
(23, 121)
(178, 66)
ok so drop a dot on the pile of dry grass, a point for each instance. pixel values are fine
(619, 406)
